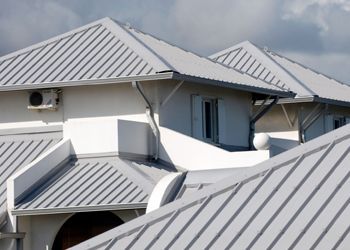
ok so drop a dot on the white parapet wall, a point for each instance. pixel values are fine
(33, 172)
(192, 154)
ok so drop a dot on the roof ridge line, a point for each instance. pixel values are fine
(52, 39)
(228, 50)
(246, 74)
(271, 62)
(158, 63)
(311, 69)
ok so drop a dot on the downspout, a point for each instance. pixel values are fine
(150, 117)
(260, 113)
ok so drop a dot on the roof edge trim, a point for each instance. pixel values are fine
(61, 210)
(89, 82)
(230, 85)
(31, 130)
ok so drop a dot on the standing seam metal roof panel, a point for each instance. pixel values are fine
(296, 200)
(283, 72)
(17, 151)
(91, 182)
(106, 49)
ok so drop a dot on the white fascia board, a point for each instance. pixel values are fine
(87, 82)
(90, 208)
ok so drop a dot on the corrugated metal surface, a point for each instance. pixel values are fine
(90, 182)
(323, 86)
(197, 180)
(188, 63)
(107, 49)
(297, 200)
(280, 71)
(16, 151)
(91, 52)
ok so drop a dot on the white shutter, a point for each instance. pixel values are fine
(222, 121)
(328, 123)
(197, 117)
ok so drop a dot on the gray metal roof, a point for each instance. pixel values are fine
(107, 49)
(281, 71)
(18, 150)
(91, 183)
(197, 180)
(297, 200)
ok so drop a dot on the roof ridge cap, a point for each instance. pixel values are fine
(278, 68)
(157, 62)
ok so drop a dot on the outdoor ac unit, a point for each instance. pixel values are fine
(43, 99)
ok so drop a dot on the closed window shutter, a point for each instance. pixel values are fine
(222, 121)
(197, 116)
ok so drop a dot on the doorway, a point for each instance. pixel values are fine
(83, 226)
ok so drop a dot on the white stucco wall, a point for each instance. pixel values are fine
(275, 123)
(176, 114)
(90, 114)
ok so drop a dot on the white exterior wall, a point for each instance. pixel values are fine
(275, 123)
(90, 114)
(176, 114)
(14, 112)
(41, 230)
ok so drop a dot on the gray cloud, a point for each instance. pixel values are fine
(314, 32)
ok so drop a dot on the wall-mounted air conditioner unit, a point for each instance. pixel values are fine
(43, 99)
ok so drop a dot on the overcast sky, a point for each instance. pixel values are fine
(314, 32)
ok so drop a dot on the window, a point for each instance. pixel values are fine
(335, 121)
(208, 119)
(338, 121)
(209, 123)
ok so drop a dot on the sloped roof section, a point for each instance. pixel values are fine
(281, 71)
(297, 200)
(91, 183)
(107, 49)
(17, 151)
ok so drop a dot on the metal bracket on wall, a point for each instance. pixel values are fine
(166, 99)
(290, 122)
(260, 113)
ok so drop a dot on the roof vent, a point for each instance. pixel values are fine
(43, 99)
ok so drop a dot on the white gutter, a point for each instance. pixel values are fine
(150, 117)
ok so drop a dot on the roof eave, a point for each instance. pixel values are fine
(63, 210)
(89, 82)
(332, 101)
(307, 99)
(231, 85)
(159, 76)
